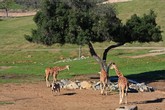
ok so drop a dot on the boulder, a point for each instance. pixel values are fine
(96, 86)
(85, 85)
(71, 85)
(141, 87)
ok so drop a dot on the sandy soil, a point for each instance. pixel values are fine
(36, 96)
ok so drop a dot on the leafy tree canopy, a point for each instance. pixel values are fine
(82, 21)
(34, 4)
(5, 4)
(143, 29)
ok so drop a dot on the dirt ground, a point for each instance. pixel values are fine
(36, 96)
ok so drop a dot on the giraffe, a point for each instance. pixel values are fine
(103, 81)
(122, 84)
(54, 72)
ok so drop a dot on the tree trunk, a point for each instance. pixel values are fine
(80, 51)
(7, 12)
(102, 62)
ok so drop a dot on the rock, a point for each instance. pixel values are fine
(71, 85)
(65, 81)
(132, 107)
(145, 88)
(29, 56)
(78, 83)
(112, 86)
(85, 85)
(96, 86)
(141, 87)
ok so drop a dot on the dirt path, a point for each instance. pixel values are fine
(147, 55)
(37, 96)
(115, 1)
(17, 14)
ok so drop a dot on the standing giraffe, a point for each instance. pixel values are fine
(103, 81)
(122, 84)
(54, 72)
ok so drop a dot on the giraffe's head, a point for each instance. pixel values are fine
(113, 66)
(67, 67)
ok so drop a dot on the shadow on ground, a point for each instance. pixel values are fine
(71, 93)
(158, 100)
(148, 77)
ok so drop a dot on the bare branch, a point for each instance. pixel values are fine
(108, 48)
(98, 59)
(91, 49)
(109, 64)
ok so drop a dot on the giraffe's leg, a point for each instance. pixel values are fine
(101, 88)
(120, 95)
(105, 88)
(47, 81)
(54, 77)
(126, 94)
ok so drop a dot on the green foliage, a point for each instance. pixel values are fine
(34, 4)
(51, 23)
(143, 29)
(81, 21)
(6, 4)
(75, 22)
(126, 9)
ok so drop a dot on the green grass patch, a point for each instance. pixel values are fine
(6, 103)
(24, 66)
(12, 32)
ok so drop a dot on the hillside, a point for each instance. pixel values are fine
(13, 37)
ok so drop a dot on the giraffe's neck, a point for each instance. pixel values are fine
(119, 74)
(62, 68)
